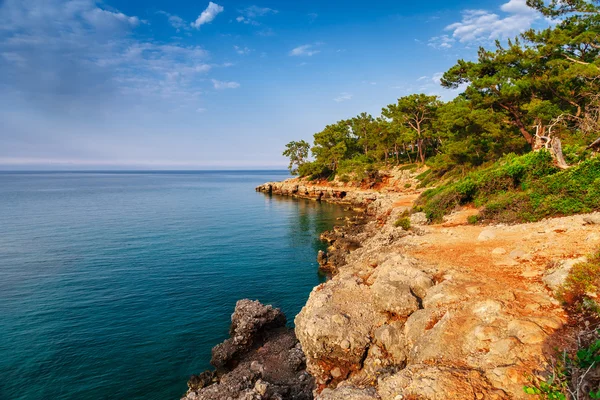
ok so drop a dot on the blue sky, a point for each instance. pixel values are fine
(159, 84)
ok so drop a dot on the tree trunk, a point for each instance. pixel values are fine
(595, 145)
(421, 156)
(407, 150)
(556, 151)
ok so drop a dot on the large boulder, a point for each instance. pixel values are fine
(249, 323)
(261, 360)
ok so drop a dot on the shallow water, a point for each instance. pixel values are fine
(117, 285)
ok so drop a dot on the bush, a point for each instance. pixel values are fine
(403, 222)
(582, 285)
(520, 188)
(358, 169)
(314, 170)
(473, 219)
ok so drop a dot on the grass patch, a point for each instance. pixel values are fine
(403, 222)
(519, 188)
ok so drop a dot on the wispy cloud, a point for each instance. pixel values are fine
(305, 50)
(250, 14)
(441, 42)
(176, 21)
(482, 25)
(343, 97)
(242, 50)
(72, 53)
(220, 85)
(312, 17)
(208, 15)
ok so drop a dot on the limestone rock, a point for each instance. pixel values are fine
(556, 276)
(276, 371)
(394, 297)
(249, 321)
(486, 235)
(419, 218)
(348, 393)
(591, 219)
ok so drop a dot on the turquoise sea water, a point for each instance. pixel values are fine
(117, 285)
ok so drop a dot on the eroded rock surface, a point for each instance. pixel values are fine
(261, 360)
(436, 313)
(451, 311)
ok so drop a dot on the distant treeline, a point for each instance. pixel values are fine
(541, 90)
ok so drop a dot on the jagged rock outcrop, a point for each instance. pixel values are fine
(434, 312)
(261, 360)
(391, 326)
(341, 195)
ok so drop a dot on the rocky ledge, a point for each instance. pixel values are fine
(262, 359)
(448, 311)
(452, 311)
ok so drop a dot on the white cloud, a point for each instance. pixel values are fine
(343, 97)
(304, 50)
(441, 42)
(255, 11)
(249, 14)
(176, 21)
(242, 50)
(201, 110)
(74, 52)
(422, 78)
(208, 15)
(100, 17)
(437, 78)
(220, 85)
(478, 25)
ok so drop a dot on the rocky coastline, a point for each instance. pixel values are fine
(452, 311)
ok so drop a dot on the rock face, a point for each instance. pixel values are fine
(429, 313)
(341, 195)
(391, 326)
(261, 360)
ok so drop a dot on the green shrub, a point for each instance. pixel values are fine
(409, 167)
(358, 169)
(520, 188)
(473, 219)
(403, 222)
(582, 282)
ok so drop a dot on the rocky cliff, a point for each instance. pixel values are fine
(448, 311)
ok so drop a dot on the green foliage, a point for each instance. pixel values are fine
(570, 371)
(357, 169)
(520, 188)
(547, 391)
(473, 219)
(543, 84)
(297, 152)
(582, 282)
(403, 222)
(314, 170)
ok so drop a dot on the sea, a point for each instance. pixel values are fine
(116, 285)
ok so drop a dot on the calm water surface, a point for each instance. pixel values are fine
(117, 285)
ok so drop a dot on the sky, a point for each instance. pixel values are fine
(173, 84)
